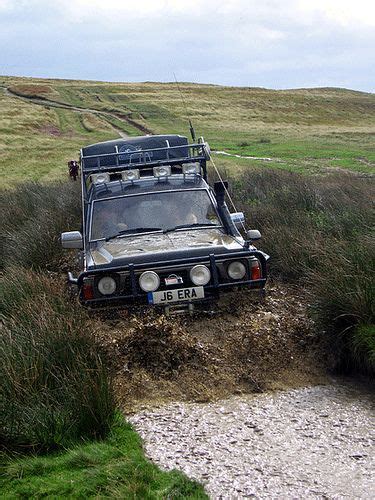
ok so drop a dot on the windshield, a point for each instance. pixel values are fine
(152, 212)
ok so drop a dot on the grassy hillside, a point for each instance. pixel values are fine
(305, 129)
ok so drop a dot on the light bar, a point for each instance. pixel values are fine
(100, 178)
(130, 175)
(190, 168)
(163, 171)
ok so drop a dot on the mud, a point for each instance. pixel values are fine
(315, 442)
(243, 345)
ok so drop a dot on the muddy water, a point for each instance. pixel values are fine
(316, 442)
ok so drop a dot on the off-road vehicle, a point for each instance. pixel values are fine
(154, 231)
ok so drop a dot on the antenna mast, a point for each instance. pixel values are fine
(192, 131)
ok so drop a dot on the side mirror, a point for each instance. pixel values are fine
(253, 235)
(238, 219)
(72, 239)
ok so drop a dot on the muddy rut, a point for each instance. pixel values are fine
(242, 345)
(238, 398)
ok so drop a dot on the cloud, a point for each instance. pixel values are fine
(239, 42)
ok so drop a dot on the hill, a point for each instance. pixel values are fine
(45, 122)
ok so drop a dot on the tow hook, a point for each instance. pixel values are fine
(175, 309)
(71, 279)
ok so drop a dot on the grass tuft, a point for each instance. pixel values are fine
(56, 388)
(318, 233)
(34, 215)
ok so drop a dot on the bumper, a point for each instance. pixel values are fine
(134, 295)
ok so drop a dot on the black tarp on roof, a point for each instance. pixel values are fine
(131, 150)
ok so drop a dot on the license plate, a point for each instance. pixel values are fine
(177, 295)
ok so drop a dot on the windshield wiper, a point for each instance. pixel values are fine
(195, 224)
(133, 230)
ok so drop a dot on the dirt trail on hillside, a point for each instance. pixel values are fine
(122, 117)
(246, 345)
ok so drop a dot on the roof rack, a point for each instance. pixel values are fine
(145, 158)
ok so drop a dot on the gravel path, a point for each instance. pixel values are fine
(315, 442)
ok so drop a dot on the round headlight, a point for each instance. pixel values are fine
(200, 275)
(149, 281)
(107, 285)
(236, 270)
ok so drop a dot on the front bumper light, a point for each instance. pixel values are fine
(107, 285)
(200, 275)
(236, 270)
(149, 281)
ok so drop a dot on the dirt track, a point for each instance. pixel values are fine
(257, 415)
(122, 117)
(246, 346)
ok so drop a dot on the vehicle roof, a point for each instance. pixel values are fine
(146, 185)
(132, 145)
(147, 141)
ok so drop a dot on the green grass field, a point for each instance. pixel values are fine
(308, 130)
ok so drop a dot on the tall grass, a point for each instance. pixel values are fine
(56, 388)
(33, 216)
(318, 233)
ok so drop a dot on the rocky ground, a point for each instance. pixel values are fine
(315, 442)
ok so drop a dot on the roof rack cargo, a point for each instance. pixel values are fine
(142, 152)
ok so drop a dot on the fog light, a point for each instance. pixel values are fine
(200, 275)
(107, 285)
(130, 175)
(236, 270)
(163, 171)
(100, 178)
(149, 281)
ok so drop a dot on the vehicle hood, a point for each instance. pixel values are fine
(158, 247)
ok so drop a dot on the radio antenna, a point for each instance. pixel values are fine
(192, 131)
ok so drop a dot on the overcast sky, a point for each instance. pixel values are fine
(262, 43)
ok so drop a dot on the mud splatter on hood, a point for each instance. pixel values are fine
(215, 240)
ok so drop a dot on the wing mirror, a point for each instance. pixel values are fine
(253, 235)
(238, 219)
(72, 239)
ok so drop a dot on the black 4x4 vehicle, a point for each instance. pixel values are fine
(154, 231)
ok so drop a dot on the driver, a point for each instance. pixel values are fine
(105, 223)
(185, 215)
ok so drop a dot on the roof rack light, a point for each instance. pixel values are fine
(162, 171)
(130, 175)
(191, 168)
(101, 178)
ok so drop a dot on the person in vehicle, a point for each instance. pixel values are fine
(106, 223)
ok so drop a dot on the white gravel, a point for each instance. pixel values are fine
(315, 442)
